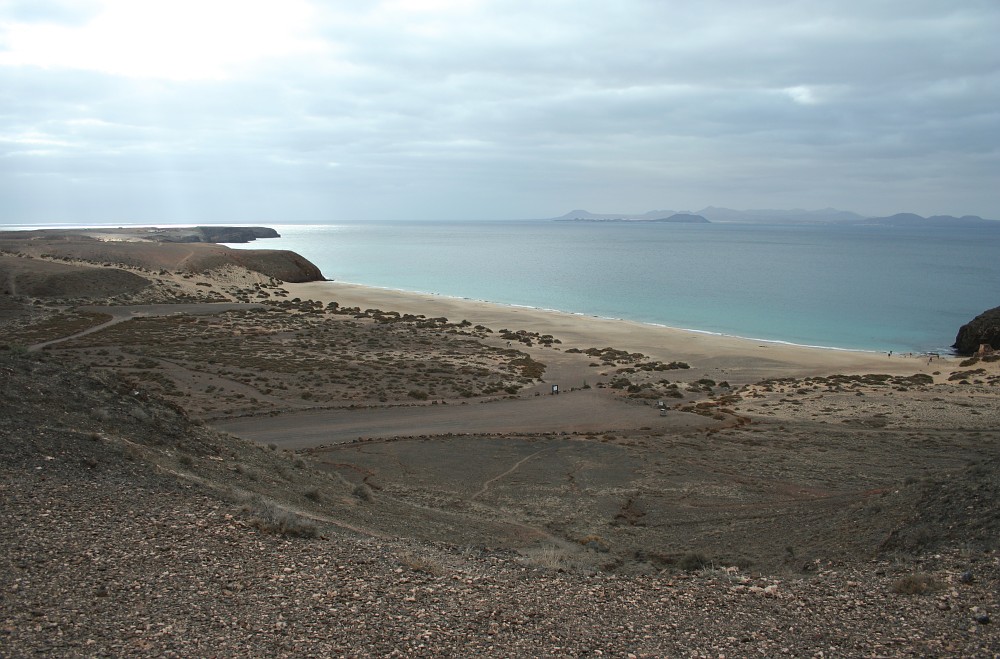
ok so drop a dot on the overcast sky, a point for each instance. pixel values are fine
(311, 111)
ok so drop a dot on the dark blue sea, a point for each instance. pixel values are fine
(854, 287)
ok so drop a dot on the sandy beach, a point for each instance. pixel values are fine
(741, 360)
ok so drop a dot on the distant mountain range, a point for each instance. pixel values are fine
(909, 219)
(774, 216)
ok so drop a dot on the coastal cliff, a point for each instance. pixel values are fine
(56, 261)
(984, 329)
(202, 234)
(214, 234)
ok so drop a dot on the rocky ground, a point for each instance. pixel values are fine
(836, 515)
(112, 545)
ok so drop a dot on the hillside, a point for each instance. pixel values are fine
(130, 531)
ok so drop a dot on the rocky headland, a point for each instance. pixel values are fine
(198, 234)
(89, 262)
(983, 330)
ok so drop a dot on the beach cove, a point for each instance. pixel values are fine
(856, 287)
(407, 458)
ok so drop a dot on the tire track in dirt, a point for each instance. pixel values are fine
(90, 330)
(515, 528)
(517, 465)
(129, 312)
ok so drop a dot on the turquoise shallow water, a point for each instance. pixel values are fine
(867, 288)
(855, 287)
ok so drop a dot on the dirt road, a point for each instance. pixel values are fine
(578, 411)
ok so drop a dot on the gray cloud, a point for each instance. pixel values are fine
(506, 110)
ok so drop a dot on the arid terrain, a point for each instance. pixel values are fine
(201, 457)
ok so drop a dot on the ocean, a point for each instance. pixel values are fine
(836, 286)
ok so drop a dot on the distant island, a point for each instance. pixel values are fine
(711, 214)
(683, 218)
(944, 221)
(675, 218)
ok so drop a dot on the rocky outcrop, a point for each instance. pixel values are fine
(983, 329)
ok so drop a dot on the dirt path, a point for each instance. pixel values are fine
(121, 314)
(96, 328)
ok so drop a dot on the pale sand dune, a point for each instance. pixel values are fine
(735, 359)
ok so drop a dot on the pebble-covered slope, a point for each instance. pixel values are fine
(102, 553)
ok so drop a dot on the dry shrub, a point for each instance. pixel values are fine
(364, 492)
(916, 584)
(268, 517)
(421, 564)
(692, 562)
(549, 558)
